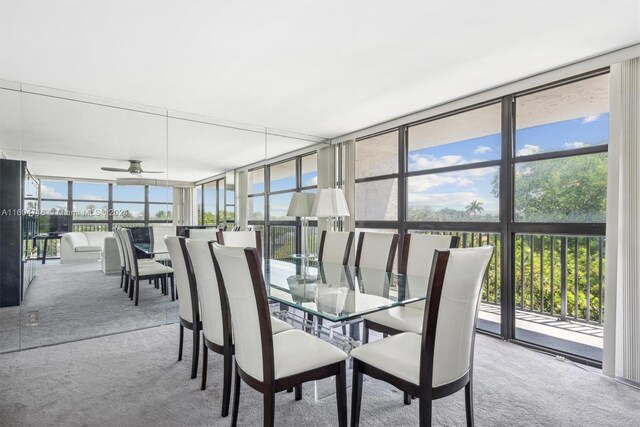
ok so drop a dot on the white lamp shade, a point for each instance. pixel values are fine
(330, 202)
(301, 204)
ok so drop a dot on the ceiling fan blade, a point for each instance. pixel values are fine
(146, 171)
(114, 169)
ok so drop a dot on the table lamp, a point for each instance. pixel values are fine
(301, 205)
(331, 204)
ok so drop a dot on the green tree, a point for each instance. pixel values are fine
(474, 208)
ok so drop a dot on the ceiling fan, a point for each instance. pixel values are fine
(135, 168)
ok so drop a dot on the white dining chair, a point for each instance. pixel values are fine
(125, 265)
(335, 246)
(158, 231)
(271, 363)
(241, 239)
(376, 250)
(206, 234)
(417, 256)
(439, 362)
(188, 309)
(211, 299)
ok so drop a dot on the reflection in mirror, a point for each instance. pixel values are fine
(82, 186)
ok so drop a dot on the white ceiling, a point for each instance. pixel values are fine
(316, 68)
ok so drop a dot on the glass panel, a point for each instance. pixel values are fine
(255, 207)
(377, 200)
(570, 189)
(310, 170)
(377, 156)
(98, 226)
(221, 202)
(283, 176)
(210, 199)
(54, 207)
(282, 243)
(230, 214)
(128, 211)
(160, 194)
(256, 181)
(54, 189)
(571, 116)
(469, 137)
(90, 191)
(90, 210)
(279, 205)
(128, 193)
(469, 195)
(160, 212)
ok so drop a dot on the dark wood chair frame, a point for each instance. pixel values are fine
(392, 250)
(196, 325)
(347, 250)
(269, 386)
(425, 390)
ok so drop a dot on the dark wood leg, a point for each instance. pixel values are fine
(425, 411)
(468, 401)
(290, 390)
(181, 342)
(407, 398)
(131, 283)
(365, 333)
(205, 360)
(126, 282)
(173, 292)
(269, 408)
(299, 392)
(226, 382)
(236, 399)
(137, 289)
(121, 278)
(356, 394)
(155, 282)
(341, 394)
(196, 352)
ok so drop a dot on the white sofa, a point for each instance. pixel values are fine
(82, 246)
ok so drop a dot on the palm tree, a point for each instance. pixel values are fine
(474, 208)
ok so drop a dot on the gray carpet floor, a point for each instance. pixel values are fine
(134, 379)
(68, 302)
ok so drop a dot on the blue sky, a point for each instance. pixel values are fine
(457, 189)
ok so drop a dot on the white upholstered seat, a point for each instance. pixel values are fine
(376, 250)
(335, 246)
(440, 361)
(158, 232)
(268, 362)
(207, 234)
(401, 318)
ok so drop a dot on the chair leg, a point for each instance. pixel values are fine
(137, 289)
(365, 333)
(468, 400)
(121, 278)
(298, 392)
(341, 394)
(196, 352)
(425, 411)
(205, 360)
(173, 294)
(356, 394)
(236, 399)
(181, 342)
(407, 398)
(269, 408)
(126, 283)
(226, 382)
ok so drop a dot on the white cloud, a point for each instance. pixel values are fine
(87, 197)
(312, 181)
(419, 184)
(577, 144)
(49, 193)
(482, 149)
(590, 119)
(430, 162)
(528, 149)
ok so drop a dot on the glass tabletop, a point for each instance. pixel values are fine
(339, 293)
(148, 248)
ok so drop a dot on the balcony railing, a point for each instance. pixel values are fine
(560, 276)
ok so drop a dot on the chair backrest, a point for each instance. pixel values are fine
(451, 315)
(209, 293)
(376, 250)
(241, 239)
(206, 234)
(127, 240)
(121, 253)
(183, 279)
(157, 236)
(335, 246)
(417, 252)
(240, 275)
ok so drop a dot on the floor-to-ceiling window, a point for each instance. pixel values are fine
(526, 173)
(270, 190)
(216, 203)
